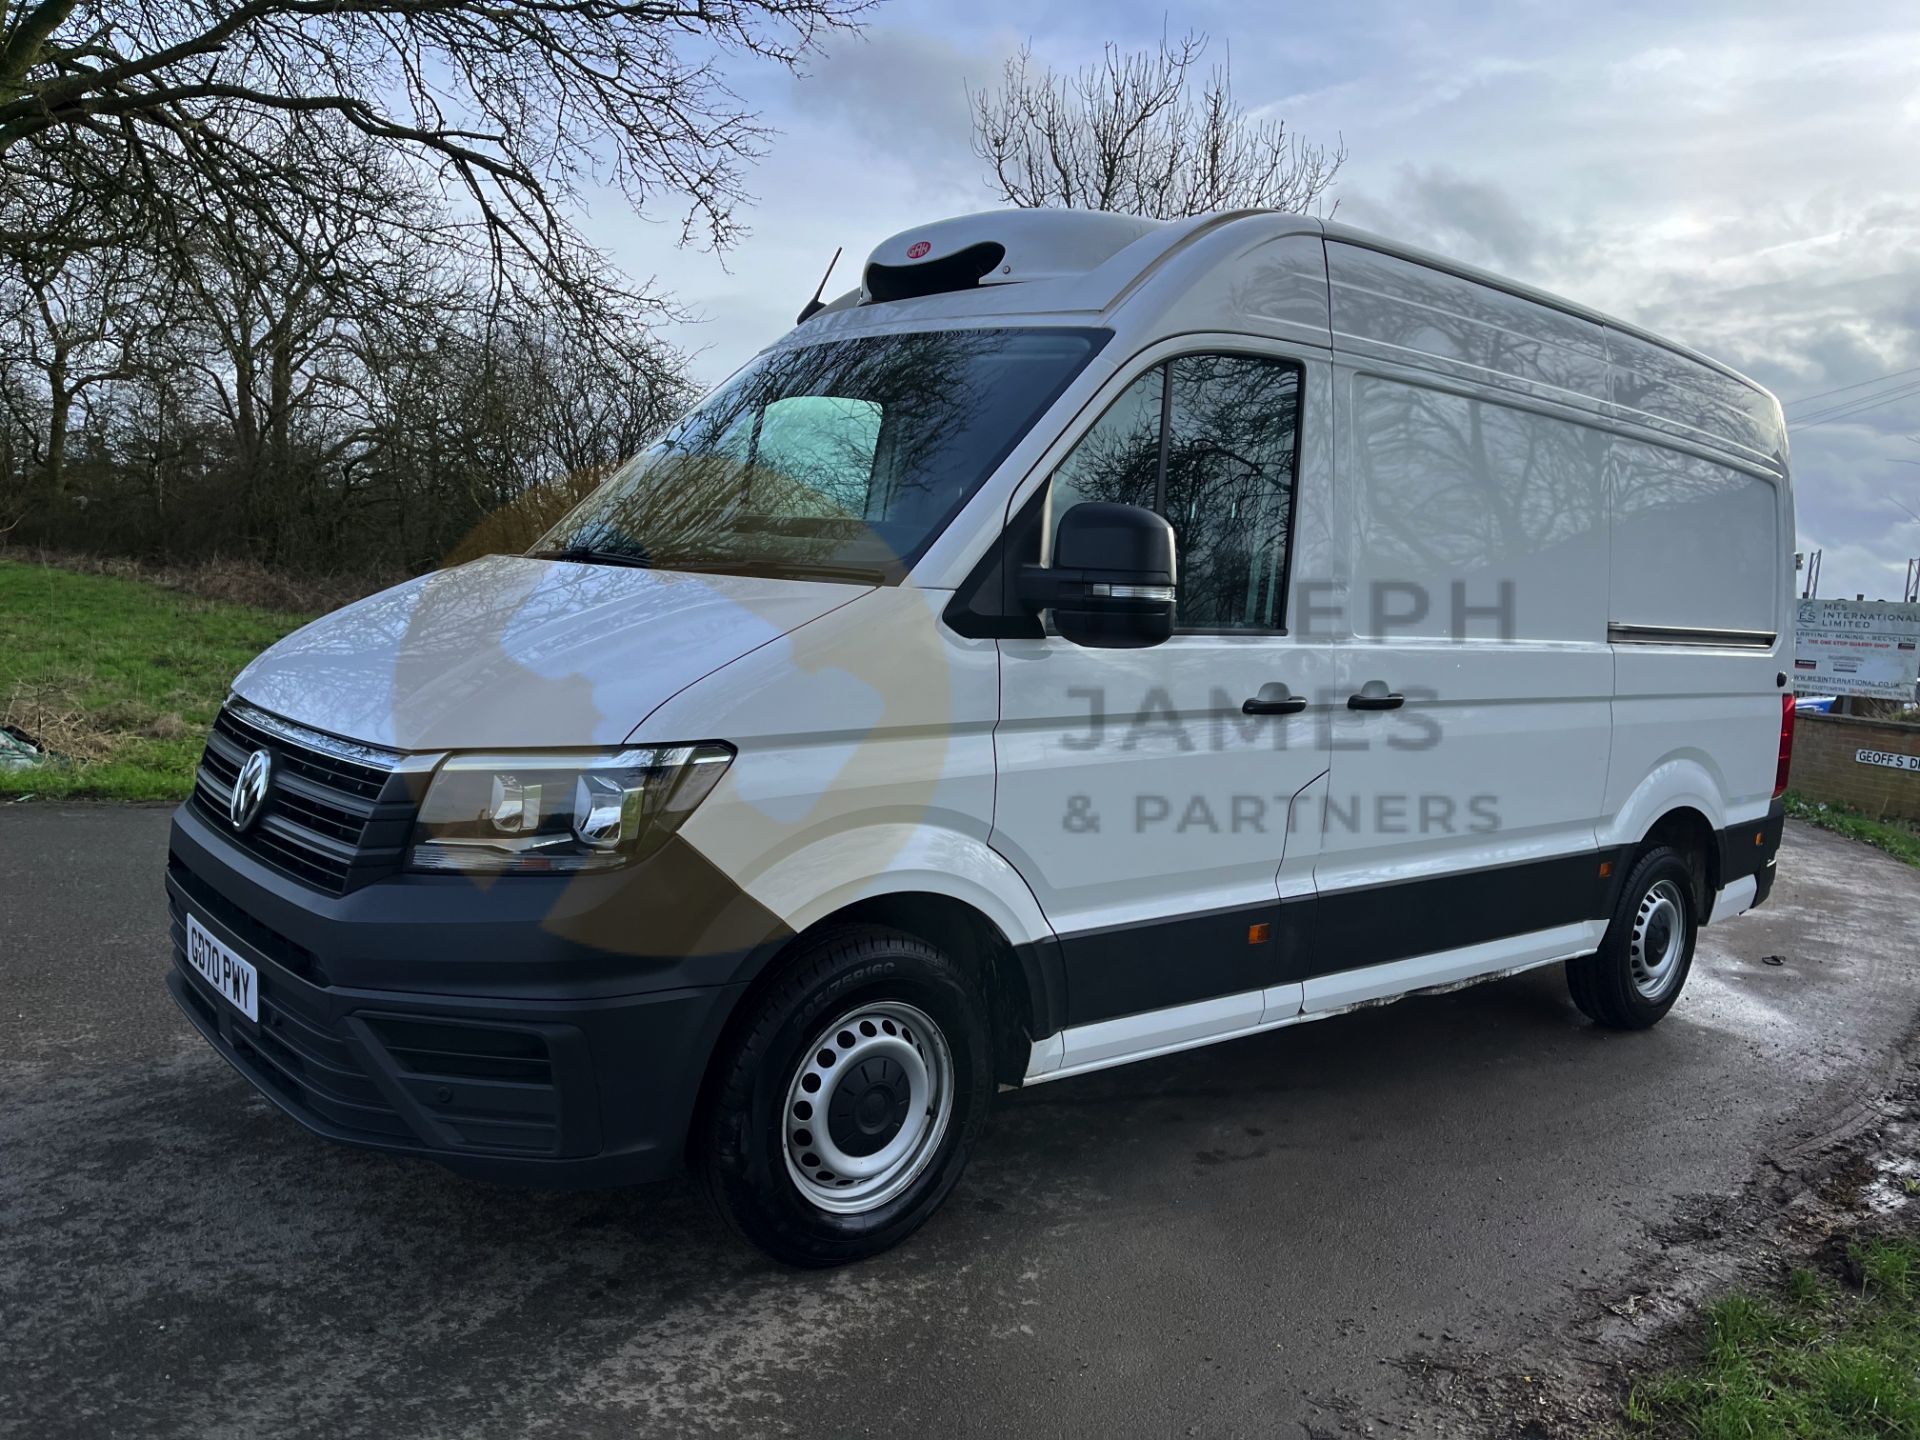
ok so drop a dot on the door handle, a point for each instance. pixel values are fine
(1292, 705)
(1385, 700)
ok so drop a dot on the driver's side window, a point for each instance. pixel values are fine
(1118, 460)
(1210, 442)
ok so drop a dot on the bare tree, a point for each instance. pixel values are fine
(296, 280)
(165, 109)
(321, 391)
(1133, 133)
(79, 319)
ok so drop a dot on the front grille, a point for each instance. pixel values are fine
(337, 815)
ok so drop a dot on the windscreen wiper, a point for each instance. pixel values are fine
(591, 555)
(777, 570)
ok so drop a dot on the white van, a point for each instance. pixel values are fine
(1089, 639)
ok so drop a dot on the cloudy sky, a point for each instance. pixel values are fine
(1741, 176)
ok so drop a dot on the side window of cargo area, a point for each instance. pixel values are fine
(1209, 441)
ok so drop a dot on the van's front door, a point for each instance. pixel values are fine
(1146, 795)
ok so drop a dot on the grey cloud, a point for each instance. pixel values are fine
(904, 91)
(1471, 219)
(1804, 335)
(1813, 334)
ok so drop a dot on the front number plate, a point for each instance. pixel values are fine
(236, 980)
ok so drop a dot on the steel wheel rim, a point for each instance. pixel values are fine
(1659, 937)
(867, 1107)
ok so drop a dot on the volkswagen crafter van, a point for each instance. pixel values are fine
(1088, 639)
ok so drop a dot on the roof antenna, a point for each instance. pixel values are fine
(814, 307)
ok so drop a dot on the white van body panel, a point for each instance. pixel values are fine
(509, 651)
(1454, 430)
(1258, 274)
(1687, 533)
(867, 861)
(865, 764)
(1689, 398)
(1682, 780)
(1657, 734)
(1523, 736)
(1157, 746)
(1490, 618)
(1399, 312)
(1653, 382)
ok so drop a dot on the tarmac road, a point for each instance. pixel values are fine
(1262, 1237)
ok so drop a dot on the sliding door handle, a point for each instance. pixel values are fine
(1386, 700)
(1291, 705)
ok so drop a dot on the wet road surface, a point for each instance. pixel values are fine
(1254, 1238)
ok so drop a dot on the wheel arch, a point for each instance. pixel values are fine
(1679, 782)
(1024, 984)
(1686, 829)
(1023, 980)
(1681, 802)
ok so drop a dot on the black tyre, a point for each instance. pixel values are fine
(845, 1098)
(1642, 964)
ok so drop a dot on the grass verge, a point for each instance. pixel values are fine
(1899, 840)
(232, 582)
(118, 679)
(1824, 1358)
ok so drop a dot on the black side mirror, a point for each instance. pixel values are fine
(1112, 581)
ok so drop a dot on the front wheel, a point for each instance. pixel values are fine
(1642, 964)
(846, 1098)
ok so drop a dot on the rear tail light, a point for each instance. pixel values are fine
(1786, 745)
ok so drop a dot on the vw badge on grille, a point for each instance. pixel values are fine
(250, 789)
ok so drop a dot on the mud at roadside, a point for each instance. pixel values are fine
(1803, 1207)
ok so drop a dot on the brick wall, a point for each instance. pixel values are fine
(1824, 767)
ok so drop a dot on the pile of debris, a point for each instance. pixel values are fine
(18, 750)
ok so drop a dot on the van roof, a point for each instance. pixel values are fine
(1353, 235)
(1055, 244)
(1009, 262)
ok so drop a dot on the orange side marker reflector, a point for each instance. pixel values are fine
(1760, 837)
(1606, 868)
(1257, 934)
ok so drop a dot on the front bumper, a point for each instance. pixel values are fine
(514, 1043)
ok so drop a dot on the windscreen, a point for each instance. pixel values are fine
(841, 460)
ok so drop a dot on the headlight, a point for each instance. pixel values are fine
(559, 813)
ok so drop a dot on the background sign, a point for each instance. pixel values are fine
(1857, 647)
(1887, 758)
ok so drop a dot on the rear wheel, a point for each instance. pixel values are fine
(1642, 964)
(845, 1100)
